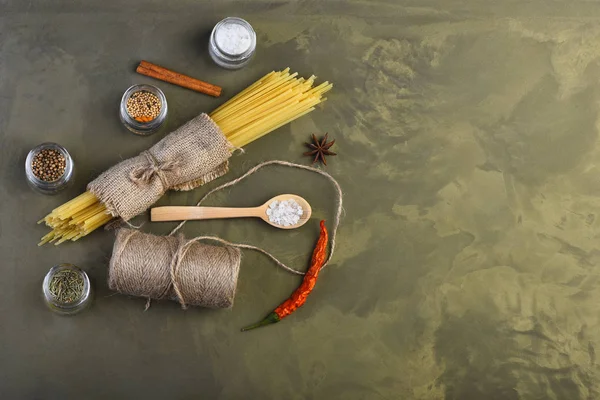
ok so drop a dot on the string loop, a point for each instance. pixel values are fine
(336, 219)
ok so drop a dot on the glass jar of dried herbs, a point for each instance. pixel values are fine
(67, 289)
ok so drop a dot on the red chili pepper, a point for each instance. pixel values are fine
(298, 298)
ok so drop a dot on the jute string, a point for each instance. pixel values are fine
(336, 219)
(190, 272)
(169, 267)
(143, 174)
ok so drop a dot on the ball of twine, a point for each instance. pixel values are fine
(169, 267)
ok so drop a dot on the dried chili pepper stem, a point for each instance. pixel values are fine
(270, 319)
(298, 298)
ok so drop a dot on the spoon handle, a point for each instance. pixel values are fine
(180, 213)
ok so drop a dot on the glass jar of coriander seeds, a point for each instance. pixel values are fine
(49, 168)
(67, 289)
(232, 43)
(143, 109)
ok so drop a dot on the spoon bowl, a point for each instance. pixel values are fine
(180, 213)
(306, 210)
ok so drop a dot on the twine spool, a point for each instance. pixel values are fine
(169, 267)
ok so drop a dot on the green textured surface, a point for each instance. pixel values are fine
(467, 265)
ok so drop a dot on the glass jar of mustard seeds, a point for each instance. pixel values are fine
(232, 43)
(49, 168)
(143, 109)
(67, 289)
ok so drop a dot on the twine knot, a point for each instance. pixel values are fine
(143, 174)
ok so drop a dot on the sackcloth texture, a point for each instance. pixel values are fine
(188, 157)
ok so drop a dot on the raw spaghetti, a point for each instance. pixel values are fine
(271, 102)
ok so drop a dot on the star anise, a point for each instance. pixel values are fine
(320, 149)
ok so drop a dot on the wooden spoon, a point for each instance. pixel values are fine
(176, 213)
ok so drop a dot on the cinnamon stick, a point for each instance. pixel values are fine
(156, 71)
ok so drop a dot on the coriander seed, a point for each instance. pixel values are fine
(48, 165)
(49, 168)
(143, 109)
(143, 106)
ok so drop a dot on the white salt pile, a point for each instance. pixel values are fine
(285, 212)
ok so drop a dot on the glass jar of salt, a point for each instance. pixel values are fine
(232, 43)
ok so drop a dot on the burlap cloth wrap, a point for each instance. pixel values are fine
(192, 155)
(169, 267)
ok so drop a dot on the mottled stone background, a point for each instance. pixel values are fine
(467, 265)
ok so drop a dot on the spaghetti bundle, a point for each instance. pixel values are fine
(271, 102)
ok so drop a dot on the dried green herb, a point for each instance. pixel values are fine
(67, 286)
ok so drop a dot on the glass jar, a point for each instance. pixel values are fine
(232, 43)
(49, 187)
(143, 128)
(62, 307)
